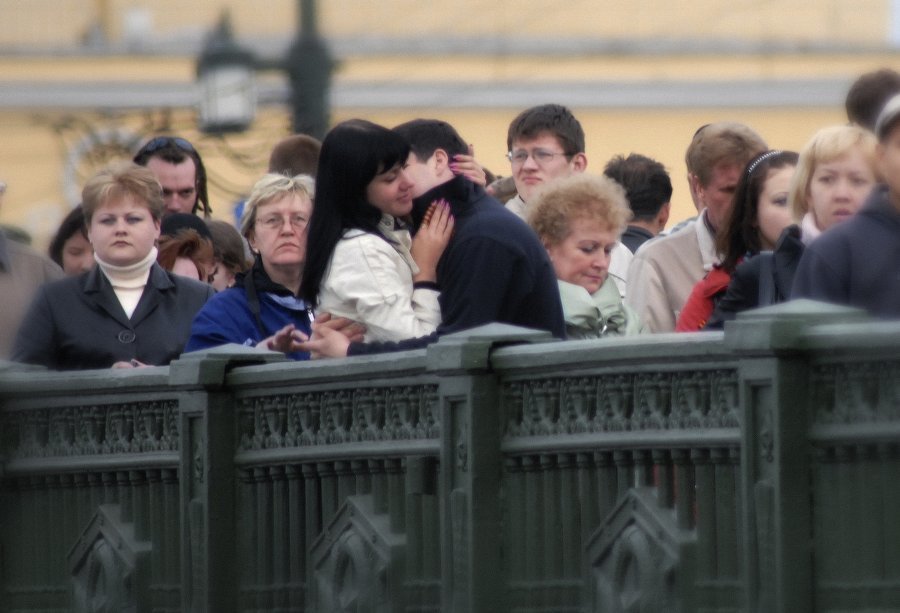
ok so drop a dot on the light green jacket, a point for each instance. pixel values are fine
(598, 315)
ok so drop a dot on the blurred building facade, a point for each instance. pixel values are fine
(83, 81)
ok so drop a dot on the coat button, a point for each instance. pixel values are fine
(127, 336)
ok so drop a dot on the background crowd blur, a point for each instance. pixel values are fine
(84, 81)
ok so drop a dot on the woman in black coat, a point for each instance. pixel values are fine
(126, 311)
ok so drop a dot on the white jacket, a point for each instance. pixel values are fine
(370, 280)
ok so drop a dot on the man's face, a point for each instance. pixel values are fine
(423, 174)
(179, 184)
(889, 162)
(716, 195)
(537, 161)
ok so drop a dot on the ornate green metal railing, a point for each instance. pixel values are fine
(496, 471)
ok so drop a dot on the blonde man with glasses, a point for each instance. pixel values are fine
(546, 143)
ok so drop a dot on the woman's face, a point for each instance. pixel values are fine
(77, 254)
(772, 213)
(279, 232)
(123, 231)
(391, 192)
(582, 257)
(837, 189)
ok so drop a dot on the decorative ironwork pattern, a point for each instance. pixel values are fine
(611, 403)
(340, 416)
(853, 393)
(93, 429)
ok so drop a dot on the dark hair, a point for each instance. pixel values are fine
(72, 223)
(176, 150)
(553, 118)
(173, 223)
(353, 153)
(427, 135)
(868, 95)
(228, 245)
(297, 154)
(646, 182)
(741, 233)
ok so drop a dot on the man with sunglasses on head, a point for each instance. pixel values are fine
(180, 171)
(546, 143)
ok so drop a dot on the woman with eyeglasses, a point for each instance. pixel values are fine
(126, 311)
(362, 264)
(262, 308)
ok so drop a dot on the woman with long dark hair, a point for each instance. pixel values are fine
(361, 262)
(759, 213)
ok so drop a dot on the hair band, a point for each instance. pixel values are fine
(764, 156)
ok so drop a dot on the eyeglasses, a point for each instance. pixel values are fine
(275, 222)
(540, 156)
(161, 142)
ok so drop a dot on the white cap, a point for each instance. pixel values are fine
(888, 115)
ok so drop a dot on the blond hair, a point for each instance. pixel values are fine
(270, 187)
(826, 145)
(580, 196)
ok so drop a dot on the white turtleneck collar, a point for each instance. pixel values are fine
(128, 282)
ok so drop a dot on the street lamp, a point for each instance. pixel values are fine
(226, 73)
(227, 76)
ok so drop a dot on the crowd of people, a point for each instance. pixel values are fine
(381, 239)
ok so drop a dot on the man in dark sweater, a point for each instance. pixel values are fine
(494, 268)
(855, 262)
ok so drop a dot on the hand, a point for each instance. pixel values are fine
(129, 364)
(468, 166)
(354, 331)
(326, 342)
(286, 340)
(431, 240)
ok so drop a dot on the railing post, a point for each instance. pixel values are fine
(206, 475)
(472, 578)
(775, 451)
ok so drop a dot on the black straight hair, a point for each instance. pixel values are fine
(741, 234)
(353, 153)
(425, 136)
(73, 222)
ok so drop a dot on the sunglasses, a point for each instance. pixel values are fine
(161, 142)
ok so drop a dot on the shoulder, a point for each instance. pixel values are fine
(32, 261)
(663, 246)
(191, 287)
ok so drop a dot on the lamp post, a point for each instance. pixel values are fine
(226, 74)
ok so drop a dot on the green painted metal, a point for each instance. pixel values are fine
(497, 470)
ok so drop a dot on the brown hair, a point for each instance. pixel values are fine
(118, 180)
(186, 243)
(726, 142)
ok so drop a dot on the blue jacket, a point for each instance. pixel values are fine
(855, 263)
(228, 318)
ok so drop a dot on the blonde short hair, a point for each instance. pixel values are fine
(826, 145)
(120, 179)
(273, 186)
(580, 196)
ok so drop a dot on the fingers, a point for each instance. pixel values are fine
(469, 167)
(323, 317)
